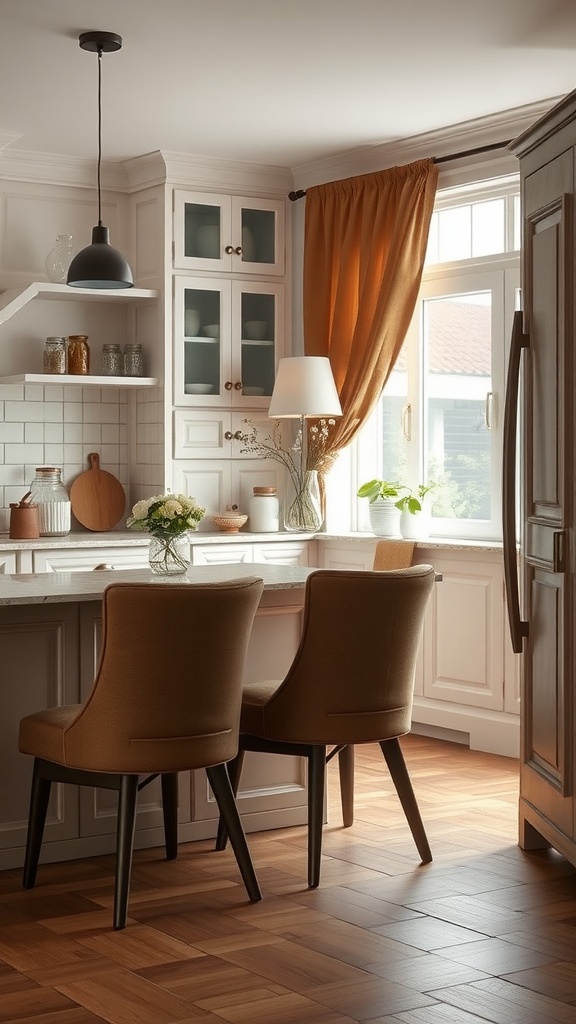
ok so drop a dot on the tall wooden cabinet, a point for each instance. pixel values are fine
(543, 362)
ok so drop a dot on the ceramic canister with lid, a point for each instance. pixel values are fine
(264, 510)
(53, 500)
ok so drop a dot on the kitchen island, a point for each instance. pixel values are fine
(50, 627)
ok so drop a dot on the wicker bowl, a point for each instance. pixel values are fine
(229, 522)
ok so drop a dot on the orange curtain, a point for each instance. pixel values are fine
(364, 247)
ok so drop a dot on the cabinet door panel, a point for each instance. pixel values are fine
(548, 663)
(85, 559)
(465, 652)
(208, 482)
(8, 562)
(40, 647)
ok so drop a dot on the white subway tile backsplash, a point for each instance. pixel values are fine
(11, 432)
(60, 425)
(91, 434)
(53, 412)
(72, 412)
(33, 432)
(24, 453)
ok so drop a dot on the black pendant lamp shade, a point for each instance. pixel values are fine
(99, 265)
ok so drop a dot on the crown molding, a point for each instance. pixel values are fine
(484, 131)
(54, 169)
(185, 170)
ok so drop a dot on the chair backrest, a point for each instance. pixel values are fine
(168, 688)
(352, 678)
(393, 554)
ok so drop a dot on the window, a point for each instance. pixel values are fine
(440, 416)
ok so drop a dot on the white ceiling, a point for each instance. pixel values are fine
(280, 83)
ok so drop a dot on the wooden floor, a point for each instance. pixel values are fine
(484, 933)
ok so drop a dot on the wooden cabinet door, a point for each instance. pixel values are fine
(547, 739)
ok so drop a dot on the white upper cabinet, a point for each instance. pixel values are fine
(228, 337)
(228, 234)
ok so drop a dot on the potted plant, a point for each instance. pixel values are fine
(384, 510)
(414, 522)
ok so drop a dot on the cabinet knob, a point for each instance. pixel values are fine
(238, 385)
(228, 385)
(228, 435)
(238, 435)
(238, 250)
(229, 250)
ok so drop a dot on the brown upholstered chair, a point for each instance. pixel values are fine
(351, 681)
(388, 554)
(166, 698)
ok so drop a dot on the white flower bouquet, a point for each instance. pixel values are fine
(166, 514)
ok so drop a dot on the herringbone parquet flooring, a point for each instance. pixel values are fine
(484, 933)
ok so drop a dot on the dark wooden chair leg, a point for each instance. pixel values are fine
(124, 845)
(234, 769)
(219, 780)
(39, 798)
(399, 773)
(346, 773)
(170, 813)
(316, 789)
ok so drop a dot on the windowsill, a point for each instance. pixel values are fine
(446, 543)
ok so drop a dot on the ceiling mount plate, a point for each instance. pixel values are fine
(100, 42)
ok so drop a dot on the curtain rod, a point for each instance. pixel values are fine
(300, 193)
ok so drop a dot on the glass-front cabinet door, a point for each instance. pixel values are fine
(228, 233)
(227, 341)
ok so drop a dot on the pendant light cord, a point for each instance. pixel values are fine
(99, 133)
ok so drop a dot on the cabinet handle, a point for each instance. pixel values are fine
(407, 421)
(518, 626)
(228, 435)
(229, 250)
(228, 385)
(488, 409)
(238, 250)
(238, 385)
(238, 435)
(558, 551)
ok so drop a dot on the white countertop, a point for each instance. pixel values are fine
(62, 587)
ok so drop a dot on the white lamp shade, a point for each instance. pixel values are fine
(304, 387)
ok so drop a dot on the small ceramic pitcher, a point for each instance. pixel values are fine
(24, 519)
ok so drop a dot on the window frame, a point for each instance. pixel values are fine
(361, 460)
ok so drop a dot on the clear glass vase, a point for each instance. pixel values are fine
(169, 553)
(303, 509)
(59, 259)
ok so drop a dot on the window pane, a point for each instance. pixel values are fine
(393, 405)
(454, 234)
(457, 340)
(488, 227)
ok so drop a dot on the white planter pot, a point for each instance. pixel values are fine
(384, 518)
(414, 525)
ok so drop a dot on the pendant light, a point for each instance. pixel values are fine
(99, 265)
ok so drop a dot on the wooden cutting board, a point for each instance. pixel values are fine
(97, 497)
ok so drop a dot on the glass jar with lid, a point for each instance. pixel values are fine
(133, 361)
(78, 354)
(53, 500)
(112, 363)
(264, 510)
(55, 355)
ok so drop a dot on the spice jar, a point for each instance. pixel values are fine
(78, 354)
(111, 361)
(133, 361)
(49, 493)
(264, 510)
(55, 355)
